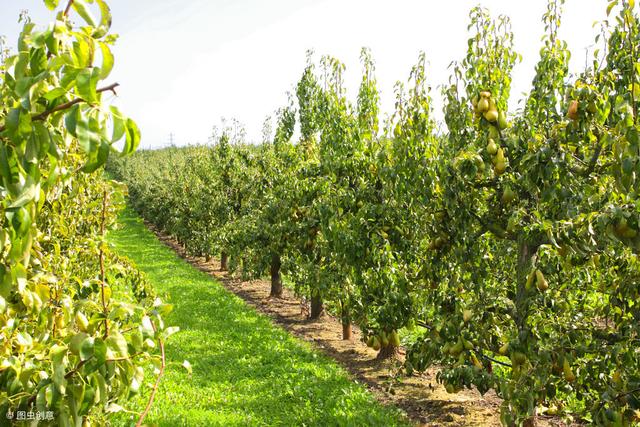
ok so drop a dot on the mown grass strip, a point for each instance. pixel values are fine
(246, 371)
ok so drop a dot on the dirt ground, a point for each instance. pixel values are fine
(425, 401)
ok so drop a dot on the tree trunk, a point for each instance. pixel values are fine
(317, 307)
(346, 321)
(224, 259)
(389, 351)
(526, 262)
(346, 330)
(276, 279)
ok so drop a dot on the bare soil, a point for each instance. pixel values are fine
(425, 401)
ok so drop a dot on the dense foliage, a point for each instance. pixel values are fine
(510, 239)
(78, 325)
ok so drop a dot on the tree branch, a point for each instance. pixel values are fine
(68, 8)
(105, 309)
(66, 105)
(155, 386)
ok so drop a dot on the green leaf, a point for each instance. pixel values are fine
(83, 10)
(86, 83)
(100, 350)
(54, 94)
(71, 120)
(88, 133)
(82, 53)
(137, 379)
(132, 139)
(51, 4)
(105, 20)
(170, 331)
(107, 61)
(97, 158)
(118, 124)
(87, 348)
(116, 346)
(29, 193)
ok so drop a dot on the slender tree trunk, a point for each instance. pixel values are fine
(317, 308)
(346, 329)
(389, 351)
(346, 326)
(527, 255)
(224, 259)
(346, 321)
(526, 262)
(276, 279)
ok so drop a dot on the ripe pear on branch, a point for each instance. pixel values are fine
(568, 373)
(491, 115)
(508, 195)
(541, 282)
(492, 147)
(572, 112)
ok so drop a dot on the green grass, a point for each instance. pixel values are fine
(246, 371)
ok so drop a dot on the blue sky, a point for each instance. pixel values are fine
(184, 64)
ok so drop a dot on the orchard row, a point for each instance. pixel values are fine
(79, 326)
(509, 238)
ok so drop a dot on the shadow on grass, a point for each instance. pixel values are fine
(246, 371)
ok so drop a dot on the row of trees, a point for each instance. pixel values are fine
(79, 326)
(511, 239)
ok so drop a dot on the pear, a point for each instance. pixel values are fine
(76, 341)
(492, 147)
(467, 315)
(508, 195)
(493, 132)
(504, 349)
(530, 278)
(541, 282)
(568, 373)
(456, 349)
(384, 339)
(491, 116)
(572, 113)
(502, 120)
(376, 344)
(81, 321)
(468, 345)
(483, 105)
(394, 339)
(476, 362)
(500, 167)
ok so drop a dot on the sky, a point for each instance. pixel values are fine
(184, 64)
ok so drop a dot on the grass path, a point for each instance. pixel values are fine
(246, 371)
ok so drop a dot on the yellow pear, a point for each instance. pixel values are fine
(492, 147)
(491, 116)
